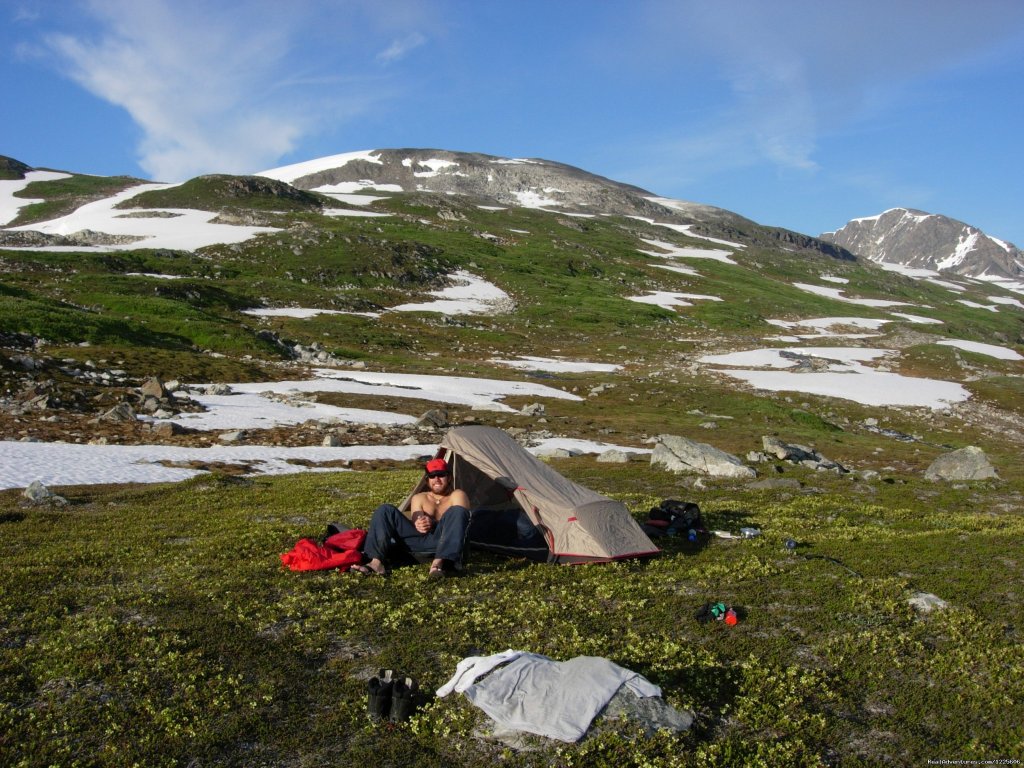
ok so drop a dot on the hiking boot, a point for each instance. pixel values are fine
(403, 699)
(379, 696)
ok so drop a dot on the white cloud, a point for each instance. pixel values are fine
(229, 87)
(400, 48)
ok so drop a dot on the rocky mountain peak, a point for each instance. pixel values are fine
(918, 239)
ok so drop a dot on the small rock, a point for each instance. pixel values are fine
(121, 413)
(925, 602)
(232, 437)
(613, 456)
(435, 417)
(37, 493)
(168, 429)
(153, 388)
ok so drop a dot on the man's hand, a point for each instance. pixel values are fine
(424, 523)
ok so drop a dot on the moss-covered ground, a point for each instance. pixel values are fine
(156, 626)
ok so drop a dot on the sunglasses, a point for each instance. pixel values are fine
(442, 473)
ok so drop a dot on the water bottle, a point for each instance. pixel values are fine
(691, 535)
(749, 533)
(730, 618)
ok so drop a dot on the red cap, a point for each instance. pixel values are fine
(437, 465)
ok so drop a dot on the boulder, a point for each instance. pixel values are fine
(785, 451)
(435, 417)
(168, 429)
(121, 413)
(679, 454)
(154, 388)
(559, 453)
(968, 463)
(613, 456)
(37, 493)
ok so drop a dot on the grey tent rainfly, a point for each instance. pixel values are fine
(554, 519)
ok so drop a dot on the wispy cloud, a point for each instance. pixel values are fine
(214, 86)
(796, 70)
(399, 49)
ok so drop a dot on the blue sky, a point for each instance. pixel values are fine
(795, 113)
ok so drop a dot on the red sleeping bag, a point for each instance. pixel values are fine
(342, 550)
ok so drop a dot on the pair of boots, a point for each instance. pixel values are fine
(392, 696)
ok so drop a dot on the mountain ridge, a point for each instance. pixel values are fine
(919, 239)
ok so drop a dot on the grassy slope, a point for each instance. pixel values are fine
(154, 625)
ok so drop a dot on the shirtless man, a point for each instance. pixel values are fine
(440, 517)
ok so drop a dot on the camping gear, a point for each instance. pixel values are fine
(404, 696)
(533, 693)
(573, 523)
(378, 700)
(717, 612)
(341, 550)
(672, 517)
(391, 696)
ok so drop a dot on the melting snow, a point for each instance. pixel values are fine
(670, 251)
(916, 318)
(188, 230)
(976, 305)
(837, 294)
(11, 205)
(290, 173)
(530, 198)
(846, 379)
(473, 296)
(1006, 300)
(669, 299)
(687, 229)
(992, 350)
(303, 312)
(529, 363)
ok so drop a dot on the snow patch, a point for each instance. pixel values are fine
(11, 205)
(992, 350)
(472, 296)
(290, 173)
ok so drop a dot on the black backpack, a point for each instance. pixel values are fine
(672, 516)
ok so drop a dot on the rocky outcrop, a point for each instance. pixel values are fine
(679, 454)
(774, 448)
(929, 241)
(968, 463)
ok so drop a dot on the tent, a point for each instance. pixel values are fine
(566, 522)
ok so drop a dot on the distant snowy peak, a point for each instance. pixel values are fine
(518, 182)
(929, 241)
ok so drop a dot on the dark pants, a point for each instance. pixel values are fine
(393, 539)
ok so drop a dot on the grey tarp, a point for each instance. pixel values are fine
(578, 524)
